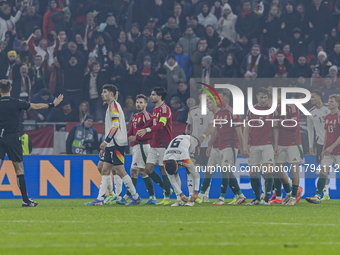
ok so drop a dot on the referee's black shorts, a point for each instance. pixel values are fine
(10, 144)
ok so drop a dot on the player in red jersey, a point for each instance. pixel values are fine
(160, 126)
(261, 152)
(289, 151)
(331, 147)
(228, 131)
(140, 149)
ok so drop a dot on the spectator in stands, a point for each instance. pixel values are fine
(7, 21)
(48, 24)
(100, 44)
(206, 18)
(198, 29)
(174, 75)
(134, 33)
(302, 20)
(178, 112)
(118, 75)
(43, 97)
(323, 63)
(196, 58)
(287, 54)
(191, 102)
(134, 79)
(230, 68)
(334, 57)
(332, 40)
(56, 80)
(122, 39)
(146, 70)
(82, 138)
(84, 111)
(181, 21)
(152, 23)
(140, 42)
(157, 77)
(289, 19)
(25, 55)
(281, 66)
(66, 114)
(217, 9)
(212, 37)
(329, 89)
(151, 50)
(333, 71)
(89, 25)
(92, 89)
(26, 24)
(73, 70)
(226, 24)
(316, 81)
(247, 23)
(209, 70)
(112, 28)
(189, 41)
(183, 61)
(183, 92)
(22, 84)
(129, 108)
(43, 49)
(122, 51)
(242, 48)
(63, 22)
(271, 29)
(174, 30)
(165, 43)
(255, 65)
(8, 61)
(221, 51)
(126, 14)
(193, 8)
(300, 69)
(39, 71)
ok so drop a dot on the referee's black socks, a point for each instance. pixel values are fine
(22, 187)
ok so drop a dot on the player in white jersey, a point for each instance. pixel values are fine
(114, 145)
(316, 131)
(182, 151)
(200, 126)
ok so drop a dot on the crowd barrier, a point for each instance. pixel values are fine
(78, 177)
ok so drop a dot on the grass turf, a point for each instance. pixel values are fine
(66, 226)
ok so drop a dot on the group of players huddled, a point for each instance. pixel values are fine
(206, 143)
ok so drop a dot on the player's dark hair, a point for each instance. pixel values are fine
(5, 86)
(263, 91)
(317, 92)
(160, 91)
(170, 166)
(111, 88)
(142, 97)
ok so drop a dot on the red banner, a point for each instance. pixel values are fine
(42, 140)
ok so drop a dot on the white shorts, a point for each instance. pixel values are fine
(155, 156)
(262, 154)
(289, 154)
(227, 156)
(214, 159)
(330, 160)
(137, 156)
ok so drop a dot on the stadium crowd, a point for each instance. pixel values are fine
(74, 47)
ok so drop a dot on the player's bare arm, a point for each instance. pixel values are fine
(55, 103)
(211, 141)
(208, 132)
(246, 150)
(240, 138)
(276, 138)
(324, 145)
(329, 150)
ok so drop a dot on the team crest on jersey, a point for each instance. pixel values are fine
(138, 120)
(326, 121)
(334, 122)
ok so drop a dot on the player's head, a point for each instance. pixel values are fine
(316, 97)
(334, 102)
(158, 94)
(5, 86)
(262, 96)
(109, 93)
(171, 166)
(141, 102)
(211, 104)
(225, 97)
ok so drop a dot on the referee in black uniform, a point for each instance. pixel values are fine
(10, 144)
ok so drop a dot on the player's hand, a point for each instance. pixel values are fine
(58, 100)
(183, 197)
(311, 151)
(327, 152)
(276, 151)
(141, 132)
(208, 151)
(101, 153)
(201, 139)
(132, 138)
(102, 146)
(194, 197)
(41, 117)
(246, 151)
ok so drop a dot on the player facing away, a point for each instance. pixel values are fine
(182, 152)
(316, 131)
(140, 149)
(200, 126)
(289, 151)
(10, 144)
(260, 134)
(160, 126)
(331, 148)
(113, 146)
(230, 139)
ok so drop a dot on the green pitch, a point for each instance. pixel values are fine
(68, 227)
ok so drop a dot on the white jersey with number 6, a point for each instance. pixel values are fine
(181, 147)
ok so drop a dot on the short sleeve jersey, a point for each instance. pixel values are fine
(332, 127)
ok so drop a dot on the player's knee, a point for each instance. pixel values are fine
(134, 173)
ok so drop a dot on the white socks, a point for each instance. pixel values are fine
(103, 186)
(190, 185)
(110, 188)
(118, 184)
(129, 185)
(326, 190)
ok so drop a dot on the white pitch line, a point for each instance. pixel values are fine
(40, 221)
